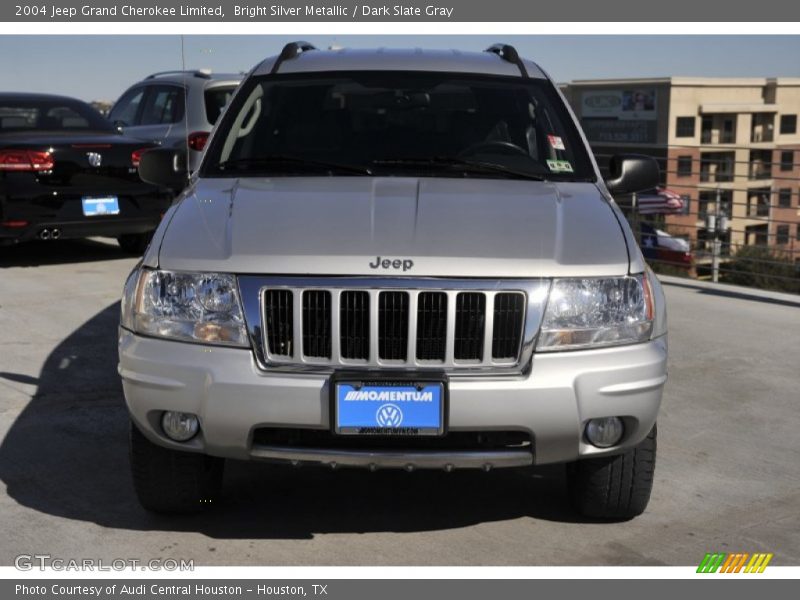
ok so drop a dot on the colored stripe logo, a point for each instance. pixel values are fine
(737, 562)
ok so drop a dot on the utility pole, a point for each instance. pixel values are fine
(716, 223)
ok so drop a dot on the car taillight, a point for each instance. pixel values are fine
(136, 156)
(197, 140)
(25, 160)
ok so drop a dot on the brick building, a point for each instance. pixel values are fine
(733, 138)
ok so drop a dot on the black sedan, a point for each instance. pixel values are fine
(65, 172)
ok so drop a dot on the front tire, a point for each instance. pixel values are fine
(614, 487)
(134, 243)
(170, 481)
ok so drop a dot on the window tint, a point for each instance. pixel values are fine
(684, 127)
(162, 105)
(50, 115)
(126, 110)
(409, 124)
(216, 99)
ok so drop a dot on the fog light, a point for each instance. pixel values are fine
(180, 426)
(604, 432)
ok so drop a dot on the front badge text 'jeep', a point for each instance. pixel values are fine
(388, 263)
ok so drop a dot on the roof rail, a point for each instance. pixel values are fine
(201, 73)
(508, 53)
(290, 51)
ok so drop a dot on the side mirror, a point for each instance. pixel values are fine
(120, 125)
(165, 167)
(630, 173)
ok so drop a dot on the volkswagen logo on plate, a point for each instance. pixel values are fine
(389, 415)
(95, 158)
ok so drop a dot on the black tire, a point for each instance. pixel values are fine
(614, 487)
(134, 243)
(170, 481)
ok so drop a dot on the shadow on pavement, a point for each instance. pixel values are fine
(37, 253)
(66, 455)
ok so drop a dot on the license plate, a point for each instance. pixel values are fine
(97, 206)
(393, 408)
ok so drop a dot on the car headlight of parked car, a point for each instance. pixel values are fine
(189, 307)
(596, 312)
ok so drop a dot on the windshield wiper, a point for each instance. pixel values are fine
(246, 163)
(466, 165)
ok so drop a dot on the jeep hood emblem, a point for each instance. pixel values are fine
(391, 263)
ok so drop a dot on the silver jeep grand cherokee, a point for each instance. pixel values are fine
(395, 259)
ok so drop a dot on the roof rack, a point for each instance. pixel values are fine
(202, 74)
(509, 54)
(290, 51)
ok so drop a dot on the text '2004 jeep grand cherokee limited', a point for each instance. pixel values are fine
(395, 259)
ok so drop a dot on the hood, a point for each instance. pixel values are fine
(395, 226)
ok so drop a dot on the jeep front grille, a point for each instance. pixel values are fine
(332, 322)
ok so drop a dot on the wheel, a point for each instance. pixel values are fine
(134, 243)
(170, 481)
(614, 487)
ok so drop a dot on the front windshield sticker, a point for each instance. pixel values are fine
(559, 166)
(556, 142)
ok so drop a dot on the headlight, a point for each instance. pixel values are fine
(191, 307)
(587, 313)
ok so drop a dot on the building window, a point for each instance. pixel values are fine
(684, 166)
(785, 198)
(782, 234)
(707, 203)
(756, 235)
(687, 203)
(787, 160)
(758, 202)
(684, 127)
(788, 124)
(760, 164)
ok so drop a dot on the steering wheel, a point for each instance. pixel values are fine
(498, 146)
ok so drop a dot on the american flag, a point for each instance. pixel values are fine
(659, 201)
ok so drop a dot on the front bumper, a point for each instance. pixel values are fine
(233, 398)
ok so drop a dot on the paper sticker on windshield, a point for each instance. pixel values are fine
(556, 142)
(559, 166)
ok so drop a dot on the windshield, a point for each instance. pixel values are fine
(50, 115)
(403, 124)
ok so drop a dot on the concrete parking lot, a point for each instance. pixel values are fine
(727, 477)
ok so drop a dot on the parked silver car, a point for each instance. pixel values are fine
(176, 109)
(395, 259)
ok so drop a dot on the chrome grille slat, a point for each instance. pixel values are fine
(431, 331)
(508, 315)
(279, 322)
(470, 326)
(321, 323)
(317, 323)
(356, 328)
(393, 325)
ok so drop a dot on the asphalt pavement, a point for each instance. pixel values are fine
(727, 475)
